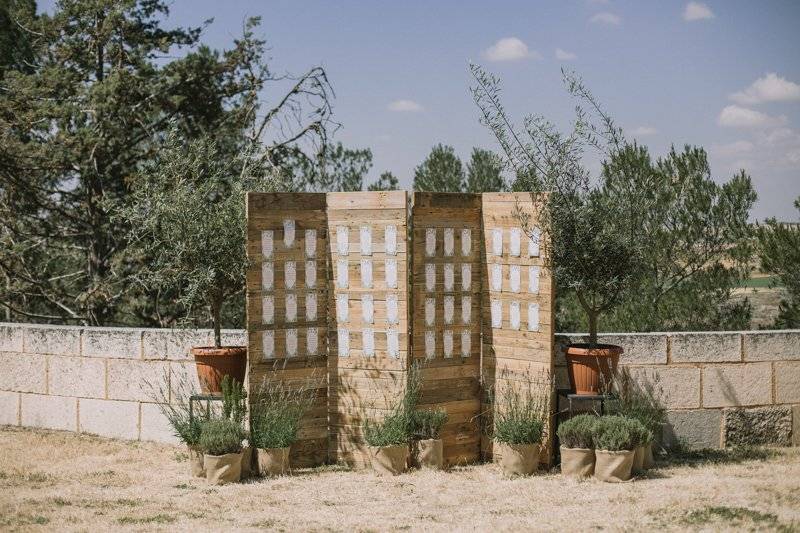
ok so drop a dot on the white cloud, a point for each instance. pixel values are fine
(769, 88)
(404, 106)
(734, 116)
(606, 18)
(734, 149)
(644, 131)
(510, 49)
(563, 55)
(697, 11)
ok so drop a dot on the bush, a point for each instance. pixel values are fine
(520, 413)
(640, 435)
(427, 424)
(234, 399)
(640, 401)
(613, 433)
(391, 431)
(276, 413)
(221, 437)
(577, 432)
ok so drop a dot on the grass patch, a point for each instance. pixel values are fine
(758, 283)
(681, 456)
(20, 520)
(729, 515)
(154, 519)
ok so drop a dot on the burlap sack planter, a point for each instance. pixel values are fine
(389, 460)
(517, 459)
(613, 466)
(272, 461)
(577, 462)
(638, 459)
(247, 462)
(222, 469)
(647, 460)
(196, 468)
(428, 453)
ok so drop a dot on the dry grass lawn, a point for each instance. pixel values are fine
(62, 481)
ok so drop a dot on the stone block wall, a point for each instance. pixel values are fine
(720, 388)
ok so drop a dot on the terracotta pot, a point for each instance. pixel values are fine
(196, 462)
(647, 460)
(517, 459)
(389, 460)
(592, 368)
(577, 462)
(247, 462)
(638, 459)
(222, 469)
(428, 453)
(613, 466)
(213, 364)
(273, 461)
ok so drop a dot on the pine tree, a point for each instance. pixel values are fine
(440, 172)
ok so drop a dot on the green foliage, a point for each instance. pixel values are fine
(578, 431)
(386, 182)
(398, 426)
(234, 400)
(221, 437)
(520, 410)
(640, 435)
(171, 394)
(428, 423)
(276, 411)
(484, 172)
(779, 252)
(615, 433)
(638, 400)
(440, 172)
(335, 169)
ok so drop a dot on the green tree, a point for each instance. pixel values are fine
(779, 252)
(440, 172)
(484, 172)
(386, 182)
(335, 168)
(15, 46)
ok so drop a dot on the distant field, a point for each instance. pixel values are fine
(757, 282)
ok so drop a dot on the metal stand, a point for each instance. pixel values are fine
(208, 398)
(566, 393)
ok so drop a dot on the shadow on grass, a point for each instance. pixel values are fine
(682, 456)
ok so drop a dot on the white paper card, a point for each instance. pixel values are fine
(342, 308)
(267, 276)
(533, 317)
(267, 243)
(268, 309)
(514, 242)
(344, 342)
(430, 242)
(430, 311)
(289, 274)
(513, 312)
(341, 274)
(449, 304)
(342, 243)
(311, 306)
(291, 308)
(497, 278)
(393, 343)
(291, 342)
(466, 277)
(367, 309)
(466, 242)
(430, 344)
(312, 341)
(430, 277)
(497, 314)
(391, 309)
(288, 232)
(497, 241)
(513, 278)
(447, 343)
(390, 238)
(449, 242)
(466, 343)
(391, 273)
(466, 309)
(311, 243)
(368, 342)
(311, 274)
(268, 344)
(533, 244)
(366, 273)
(449, 276)
(533, 280)
(365, 238)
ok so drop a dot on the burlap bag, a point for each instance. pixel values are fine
(389, 460)
(429, 454)
(273, 461)
(196, 463)
(638, 459)
(648, 461)
(517, 459)
(577, 462)
(221, 469)
(247, 462)
(613, 466)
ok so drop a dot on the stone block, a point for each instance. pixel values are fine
(796, 425)
(55, 340)
(772, 345)
(710, 347)
(11, 338)
(136, 379)
(50, 412)
(174, 344)
(125, 343)
(9, 408)
(677, 387)
(109, 418)
(639, 348)
(787, 382)
(561, 343)
(23, 372)
(183, 380)
(696, 429)
(155, 426)
(234, 337)
(76, 376)
(759, 426)
(737, 385)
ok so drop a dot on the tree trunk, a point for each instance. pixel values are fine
(216, 310)
(592, 327)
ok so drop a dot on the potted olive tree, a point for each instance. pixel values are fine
(427, 450)
(576, 446)
(589, 220)
(186, 214)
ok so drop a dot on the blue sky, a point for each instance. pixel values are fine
(721, 74)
